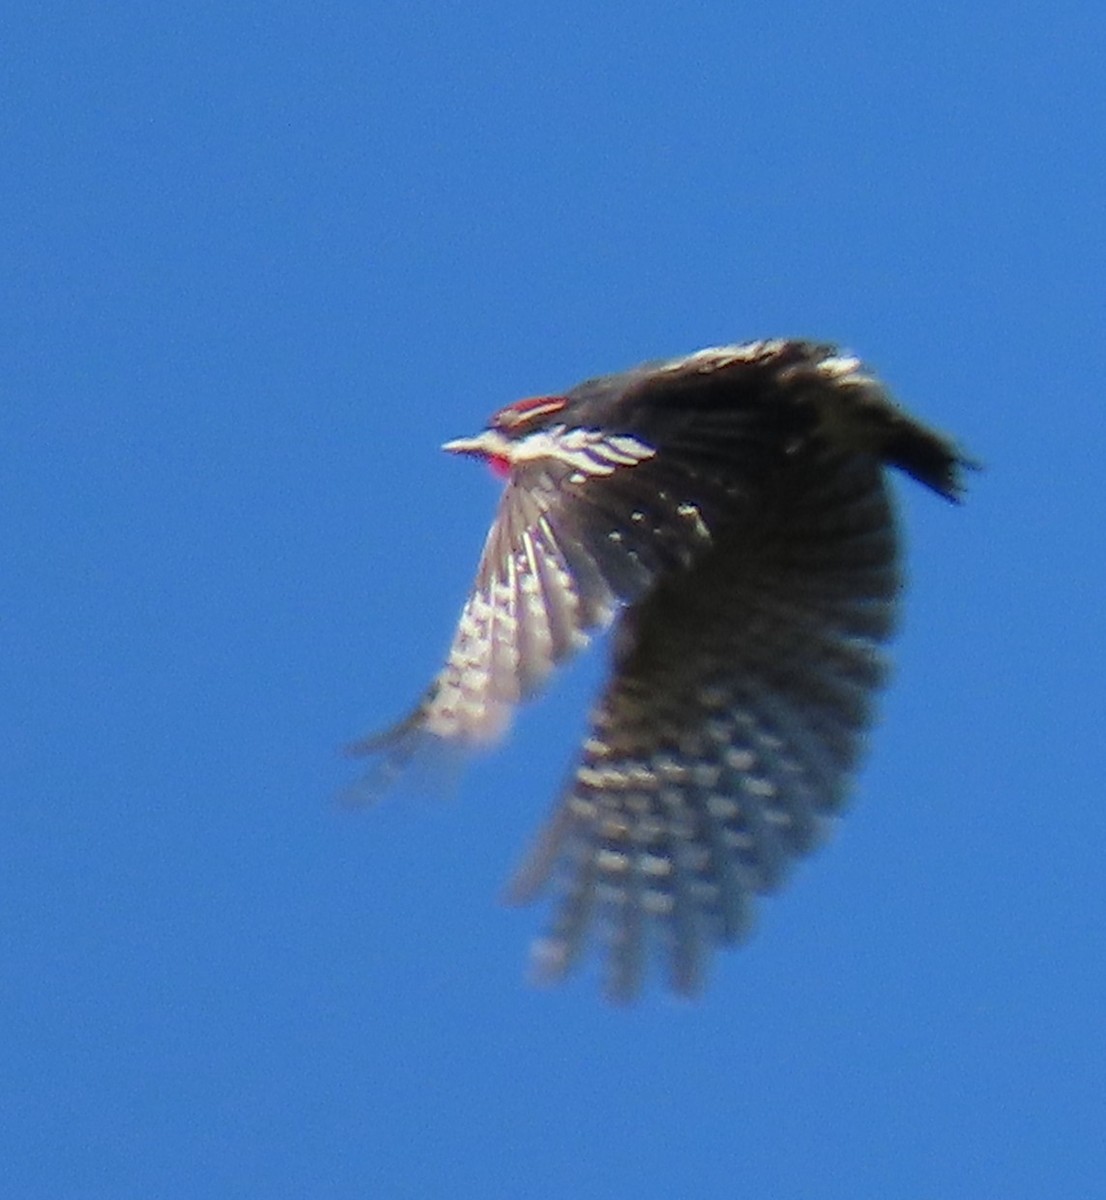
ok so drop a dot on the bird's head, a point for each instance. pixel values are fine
(502, 443)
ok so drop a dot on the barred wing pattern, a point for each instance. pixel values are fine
(559, 562)
(735, 711)
(529, 609)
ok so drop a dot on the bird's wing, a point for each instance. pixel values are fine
(546, 581)
(741, 689)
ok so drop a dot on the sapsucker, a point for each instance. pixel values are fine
(728, 512)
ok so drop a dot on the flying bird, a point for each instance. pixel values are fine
(728, 513)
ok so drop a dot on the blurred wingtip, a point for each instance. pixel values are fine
(549, 962)
(957, 489)
(403, 756)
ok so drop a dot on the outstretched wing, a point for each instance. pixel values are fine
(558, 563)
(740, 693)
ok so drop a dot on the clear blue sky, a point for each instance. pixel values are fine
(258, 262)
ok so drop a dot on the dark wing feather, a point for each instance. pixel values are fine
(741, 691)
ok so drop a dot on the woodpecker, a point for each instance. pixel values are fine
(728, 513)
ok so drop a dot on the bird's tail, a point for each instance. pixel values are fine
(860, 414)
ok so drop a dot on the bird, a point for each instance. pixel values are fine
(727, 515)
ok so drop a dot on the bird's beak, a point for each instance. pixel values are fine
(469, 445)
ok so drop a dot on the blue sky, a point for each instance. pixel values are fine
(258, 262)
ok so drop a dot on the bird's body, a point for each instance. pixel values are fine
(729, 511)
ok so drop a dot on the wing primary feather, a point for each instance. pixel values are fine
(627, 937)
(554, 955)
(685, 948)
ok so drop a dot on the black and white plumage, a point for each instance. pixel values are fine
(728, 511)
